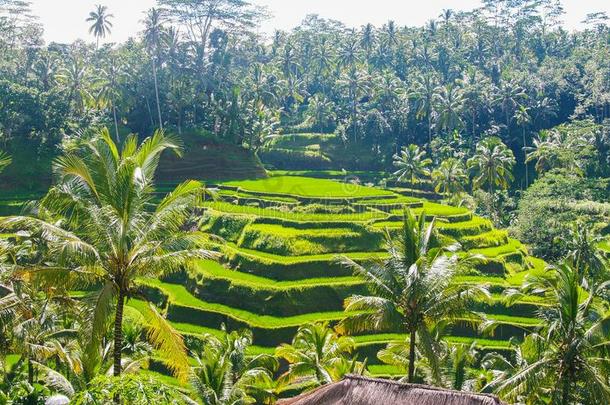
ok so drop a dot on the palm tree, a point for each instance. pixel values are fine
(583, 249)
(318, 355)
(153, 33)
(545, 150)
(5, 160)
(523, 118)
(109, 91)
(412, 291)
(570, 366)
(424, 93)
(321, 113)
(76, 77)
(225, 374)
(509, 95)
(411, 164)
(449, 178)
(449, 103)
(112, 234)
(492, 164)
(101, 24)
(456, 364)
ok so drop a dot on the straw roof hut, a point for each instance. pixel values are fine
(358, 390)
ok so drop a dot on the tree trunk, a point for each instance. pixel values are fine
(411, 355)
(524, 160)
(116, 124)
(30, 371)
(154, 66)
(118, 333)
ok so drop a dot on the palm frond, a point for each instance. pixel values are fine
(169, 343)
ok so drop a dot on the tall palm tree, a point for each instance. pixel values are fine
(570, 366)
(109, 93)
(449, 178)
(509, 96)
(523, 119)
(76, 76)
(423, 92)
(492, 164)
(225, 374)
(412, 164)
(545, 151)
(107, 232)
(318, 355)
(449, 104)
(101, 24)
(153, 35)
(412, 291)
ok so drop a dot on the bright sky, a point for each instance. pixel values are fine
(64, 20)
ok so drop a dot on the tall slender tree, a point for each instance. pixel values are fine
(153, 33)
(100, 23)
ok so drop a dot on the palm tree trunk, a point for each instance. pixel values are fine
(412, 355)
(524, 160)
(118, 333)
(116, 123)
(30, 371)
(154, 66)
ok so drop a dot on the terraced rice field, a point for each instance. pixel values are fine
(279, 267)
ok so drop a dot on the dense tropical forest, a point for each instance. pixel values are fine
(206, 214)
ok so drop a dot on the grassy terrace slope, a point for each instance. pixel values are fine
(279, 268)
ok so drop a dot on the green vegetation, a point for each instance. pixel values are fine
(428, 204)
(306, 187)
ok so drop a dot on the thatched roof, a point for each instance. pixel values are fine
(357, 390)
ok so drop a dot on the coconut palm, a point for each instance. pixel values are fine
(318, 355)
(583, 248)
(153, 35)
(321, 113)
(225, 374)
(523, 119)
(424, 92)
(457, 364)
(492, 164)
(412, 291)
(449, 105)
(107, 232)
(570, 365)
(449, 178)
(101, 24)
(546, 151)
(5, 160)
(412, 164)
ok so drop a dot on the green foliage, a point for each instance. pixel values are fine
(411, 291)
(283, 240)
(306, 187)
(319, 355)
(131, 388)
(556, 199)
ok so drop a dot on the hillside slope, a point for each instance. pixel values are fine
(205, 158)
(279, 269)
